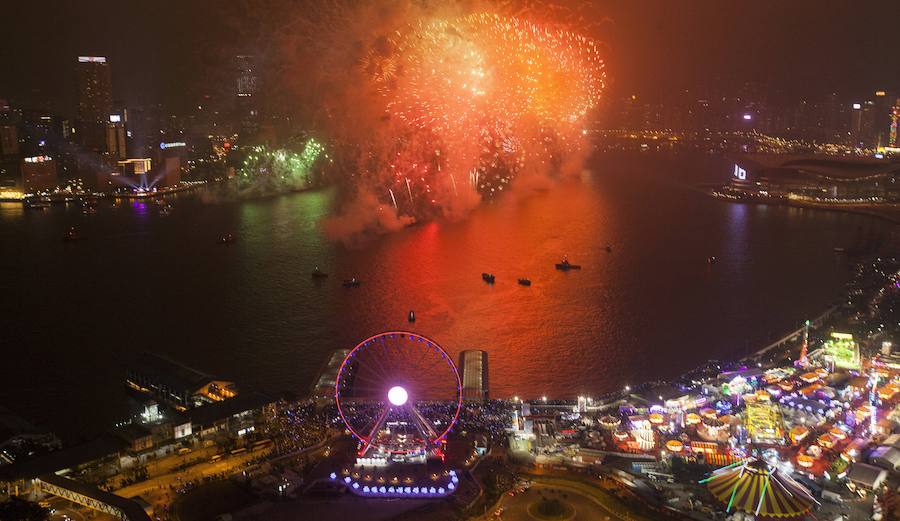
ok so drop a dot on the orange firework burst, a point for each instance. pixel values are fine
(495, 91)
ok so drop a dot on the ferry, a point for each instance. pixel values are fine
(226, 239)
(37, 203)
(565, 265)
(351, 283)
(525, 282)
(488, 277)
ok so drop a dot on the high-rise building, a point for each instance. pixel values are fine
(881, 118)
(246, 91)
(38, 174)
(94, 102)
(895, 118)
(9, 133)
(474, 364)
(115, 137)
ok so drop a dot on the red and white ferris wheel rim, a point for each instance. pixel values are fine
(411, 335)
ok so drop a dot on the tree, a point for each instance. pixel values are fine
(18, 509)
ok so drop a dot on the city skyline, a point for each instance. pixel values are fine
(655, 49)
(459, 260)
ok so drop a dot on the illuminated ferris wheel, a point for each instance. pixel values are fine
(399, 394)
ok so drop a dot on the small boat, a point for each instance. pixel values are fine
(488, 277)
(72, 235)
(226, 239)
(608, 248)
(840, 250)
(318, 274)
(165, 210)
(37, 203)
(525, 282)
(565, 265)
(412, 316)
(351, 283)
(712, 260)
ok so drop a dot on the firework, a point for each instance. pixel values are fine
(484, 94)
(419, 97)
(270, 171)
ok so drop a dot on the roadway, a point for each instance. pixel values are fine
(588, 502)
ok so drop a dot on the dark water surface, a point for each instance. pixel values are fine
(251, 312)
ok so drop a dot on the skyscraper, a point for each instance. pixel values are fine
(474, 366)
(94, 102)
(246, 90)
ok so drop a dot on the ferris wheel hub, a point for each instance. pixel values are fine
(397, 395)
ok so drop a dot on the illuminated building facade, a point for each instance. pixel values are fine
(895, 116)
(115, 137)
(38, 174)
(815, 177)
(764, 423)
(246, 91)
(94, 101)
(842, 351)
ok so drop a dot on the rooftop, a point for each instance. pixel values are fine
(834, 168)
(211, 413)
(62, 459)
(170, 373)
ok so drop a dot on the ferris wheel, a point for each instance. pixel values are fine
(399, 394)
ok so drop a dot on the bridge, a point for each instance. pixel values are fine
(793, 336)
(92, 497)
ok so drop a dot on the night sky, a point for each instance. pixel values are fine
(174, 51)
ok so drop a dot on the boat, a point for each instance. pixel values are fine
(608, 248)
(712, 259)
(37, 203)
(165, 210)
(525, 282)
(412, 316)
(72, 235)
(351, 283)
(565, 265)
(838, 249)
(318, 274)
(226, 239)
(488, 277)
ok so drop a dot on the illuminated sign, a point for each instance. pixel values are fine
(91, 59)
(857, 106)
(748, 117)
(115, 118)
(38, 159)
(740, 173)
(175, 144)
(880, 93)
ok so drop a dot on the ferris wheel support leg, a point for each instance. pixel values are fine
(425, 428)
(367, 442)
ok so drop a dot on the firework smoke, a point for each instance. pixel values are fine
(433, 108)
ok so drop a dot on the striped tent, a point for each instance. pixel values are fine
(755, 487)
